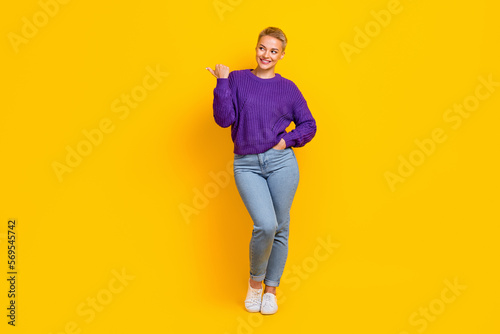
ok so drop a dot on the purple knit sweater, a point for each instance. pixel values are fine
(259, 111)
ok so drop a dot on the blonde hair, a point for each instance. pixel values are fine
(276, 33)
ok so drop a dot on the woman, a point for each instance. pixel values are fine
(259, 105)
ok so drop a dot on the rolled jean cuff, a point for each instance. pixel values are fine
(259, 278)
(271, 283)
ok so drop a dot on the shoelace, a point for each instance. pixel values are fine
(254, 297)
(267, 301)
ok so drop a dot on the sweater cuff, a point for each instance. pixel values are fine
(222, 82)
(289, 142)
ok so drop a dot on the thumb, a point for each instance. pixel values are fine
(211, 71)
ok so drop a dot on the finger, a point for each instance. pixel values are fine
(211, 71)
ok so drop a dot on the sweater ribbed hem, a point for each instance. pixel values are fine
(253, 149)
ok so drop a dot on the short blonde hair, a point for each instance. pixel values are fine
(276, 33)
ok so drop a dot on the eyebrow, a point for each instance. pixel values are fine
(271, 49)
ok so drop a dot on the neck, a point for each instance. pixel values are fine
(264, 74)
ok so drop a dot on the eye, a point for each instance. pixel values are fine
(275, 51)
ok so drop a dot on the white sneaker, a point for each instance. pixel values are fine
(269, 304)
(254, 299)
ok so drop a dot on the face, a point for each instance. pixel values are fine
(268, 52)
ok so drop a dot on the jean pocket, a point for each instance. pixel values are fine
(238, 156)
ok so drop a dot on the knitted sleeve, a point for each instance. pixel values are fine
(224, 108)
(305, 124)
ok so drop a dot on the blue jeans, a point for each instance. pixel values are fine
(267, 183)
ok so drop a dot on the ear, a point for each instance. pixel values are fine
(282, 55)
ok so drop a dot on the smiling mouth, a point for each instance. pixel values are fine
(265, 61)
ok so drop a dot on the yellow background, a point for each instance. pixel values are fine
(120, 208)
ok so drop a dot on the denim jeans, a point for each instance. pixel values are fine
(267, 183)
